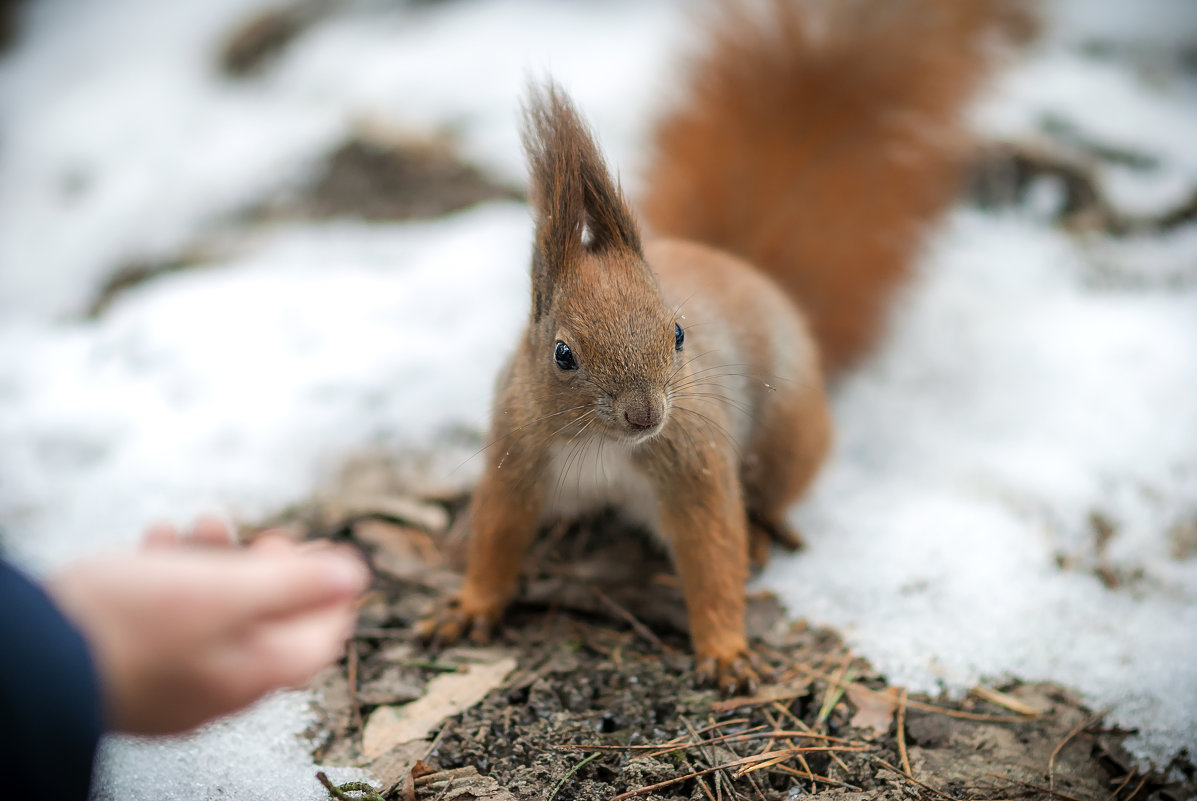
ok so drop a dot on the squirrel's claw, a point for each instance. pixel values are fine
(737, 674)
(450, 623)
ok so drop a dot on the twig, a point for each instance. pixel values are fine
(445, 775)
(1122, 784)
(806, 774)
(814, 786)
(581, 764)
(701, 783)
(1005, 701)
(925, 707)
(910, 778)
(709, 756)
(651, 787)
(798, 721)
(734, 737)
(735, 763)
(641, 629)
(1138, 787)
(1040, 788)
(751, 779)
(440, 735)
(902, 733)
(1077, 729)
(351, 669)
(445, 790)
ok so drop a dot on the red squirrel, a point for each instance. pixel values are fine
(679, 377)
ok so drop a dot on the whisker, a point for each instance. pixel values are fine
(516, 430)
(717, 426)
(732, 402)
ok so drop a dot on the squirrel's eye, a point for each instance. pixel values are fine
(679, 336)
(564, 357)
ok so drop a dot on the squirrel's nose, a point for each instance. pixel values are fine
(642, 418)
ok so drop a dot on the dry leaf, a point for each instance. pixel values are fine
(874, 709)
(445, 695)
(395, 766)
(399, 551)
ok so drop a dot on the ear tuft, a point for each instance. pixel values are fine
(578, 206)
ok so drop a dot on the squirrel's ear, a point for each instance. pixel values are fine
(577, 205)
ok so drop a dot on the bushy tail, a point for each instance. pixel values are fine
(816, 138)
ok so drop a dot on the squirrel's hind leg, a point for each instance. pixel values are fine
(790, 441)
(764, 533)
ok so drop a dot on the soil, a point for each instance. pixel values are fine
(381, 175)
(374, 174)
(601, 702)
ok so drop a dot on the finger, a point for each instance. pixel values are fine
(262, 585)
(273, 542)
(160, 535)
(210, 530)
(281, 653)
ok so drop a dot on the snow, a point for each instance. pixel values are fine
(1010, 403)
(254, 755)
(1031, 379)
(240, 384)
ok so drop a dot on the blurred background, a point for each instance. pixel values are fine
(244, 243)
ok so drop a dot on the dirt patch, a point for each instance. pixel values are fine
(587, 693)
(377, 176)
(1008, 174)
(10, 15)
(263, 36)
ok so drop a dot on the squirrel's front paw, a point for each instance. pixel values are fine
(732, 675)
(452, 621)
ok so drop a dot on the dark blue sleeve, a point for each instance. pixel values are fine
(50, 708)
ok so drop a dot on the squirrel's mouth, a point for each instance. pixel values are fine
(635, 434)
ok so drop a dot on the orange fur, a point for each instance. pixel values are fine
(815, 140)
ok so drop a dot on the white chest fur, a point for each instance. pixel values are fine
(599, 473)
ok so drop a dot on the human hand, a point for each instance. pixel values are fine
(184, 635)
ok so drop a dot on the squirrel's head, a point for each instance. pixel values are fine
(604, 344)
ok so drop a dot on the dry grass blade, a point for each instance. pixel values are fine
(678, 744)
(702, 783)
(802, 725)
(768, 763)
(1120, 785)
(1138, 787)
(442, 776)
(925, 707)
(998, 698)
(901, 734)
(644, 631)
(735, 763)
(776, 723)
(709, 755)
(806, 774)
(1077, 729)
